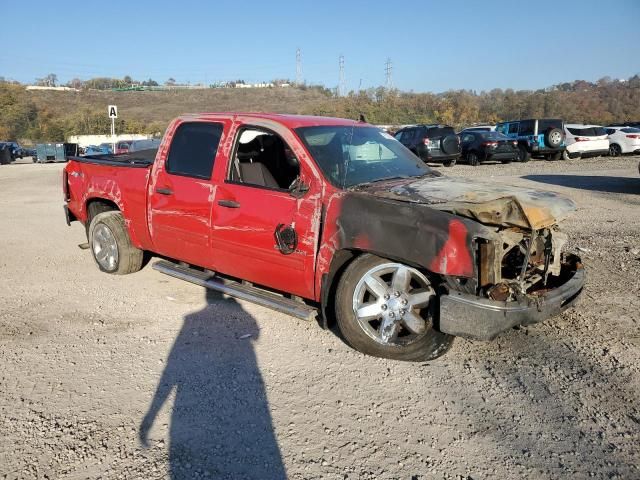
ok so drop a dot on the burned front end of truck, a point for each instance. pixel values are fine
(523, 274)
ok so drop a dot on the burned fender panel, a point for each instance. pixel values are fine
(411, 233)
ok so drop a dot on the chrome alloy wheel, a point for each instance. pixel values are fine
(390, 303)
(105, 248)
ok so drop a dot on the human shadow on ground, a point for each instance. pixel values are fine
(596, 183)
(220, 421)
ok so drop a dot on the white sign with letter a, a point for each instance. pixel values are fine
(113, 111)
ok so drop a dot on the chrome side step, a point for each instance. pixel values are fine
(243, 291)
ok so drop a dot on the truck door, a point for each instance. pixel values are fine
(180, 193)
(262, 232)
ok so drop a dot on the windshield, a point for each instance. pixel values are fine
(350, 156)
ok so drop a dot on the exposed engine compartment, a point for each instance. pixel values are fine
(521, 263)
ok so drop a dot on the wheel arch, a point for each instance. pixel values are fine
(97, 205)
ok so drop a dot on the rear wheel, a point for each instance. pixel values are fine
(556, 156)
(523, 154)
(385, 309)
(473, 159)
(449, 163)
(615, 150)
(111, 246)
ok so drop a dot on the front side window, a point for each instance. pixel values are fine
(263, 159)
(193, 149)
(350, 156)
(513, 128)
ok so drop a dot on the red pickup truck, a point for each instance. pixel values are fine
(310, 214)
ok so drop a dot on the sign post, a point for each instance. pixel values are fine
(113, 114)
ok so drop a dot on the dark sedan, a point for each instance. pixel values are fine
(480, 147)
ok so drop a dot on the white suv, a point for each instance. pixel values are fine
(623, 140)
(585, 140)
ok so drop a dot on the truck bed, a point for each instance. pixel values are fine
(139, 159)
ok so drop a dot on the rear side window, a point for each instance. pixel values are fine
(440, 132)
(630, 130)
(527, 127)
(193, 149)
(588, 131)
(513, 128)
(546, 124)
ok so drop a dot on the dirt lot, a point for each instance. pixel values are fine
(95, 367)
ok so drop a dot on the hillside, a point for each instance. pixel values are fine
(53, 115)
(162, 106)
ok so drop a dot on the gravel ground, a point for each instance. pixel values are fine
(145, 376)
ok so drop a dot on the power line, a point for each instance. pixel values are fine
(388, 68)
(298, 67)
(341, 83)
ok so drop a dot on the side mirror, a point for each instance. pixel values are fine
(298, 188)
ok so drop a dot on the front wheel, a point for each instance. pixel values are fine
(523, 154)
(111, 246)
(473, 159)
(385, 309)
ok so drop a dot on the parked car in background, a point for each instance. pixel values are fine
(623, 140)
(585, 141)
(479, 128)
(483, 146)
(625, 124)
(431, 143)
(96, 150)
(537, 137)
(107, 146)
(123, 146)
(15, 150)
(29, 152)
(148, 144)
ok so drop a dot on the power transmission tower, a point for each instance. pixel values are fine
(387, 69)
(341, 83)
(298, 67)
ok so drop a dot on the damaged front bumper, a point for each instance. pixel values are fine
(470, 316)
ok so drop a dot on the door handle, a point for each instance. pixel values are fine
(228, 203)
(164, 191)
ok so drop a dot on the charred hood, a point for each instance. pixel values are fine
(488, 203)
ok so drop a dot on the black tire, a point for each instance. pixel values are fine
(129, 258)
(553, 137)
(449, 163)
(427, 347)
(506, 160)
(450, 145)
(473, 159)
(615, 150)
(556, 156)
(523, 154)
